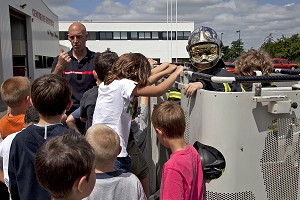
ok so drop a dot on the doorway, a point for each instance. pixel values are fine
(19, 43)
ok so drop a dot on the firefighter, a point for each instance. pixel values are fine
(204, 48)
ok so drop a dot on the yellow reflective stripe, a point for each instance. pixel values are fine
(226, 87)
(243, 89)
(273, 84)
(175, 94)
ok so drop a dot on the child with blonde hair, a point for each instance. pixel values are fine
(15, 93)
(110, 183)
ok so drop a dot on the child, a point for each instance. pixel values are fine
(182, 176)
(111, 183)
(139, 124)
(31, 117)
(65, 167)
(15, 93)
(129, 76)
(51, 97)
(253, 60)
(103, 63)
(138, 135)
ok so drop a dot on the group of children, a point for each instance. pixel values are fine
(48, 159)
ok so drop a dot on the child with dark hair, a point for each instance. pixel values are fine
(51, 96)
(103, 63)
(182, 176)
(65, 167)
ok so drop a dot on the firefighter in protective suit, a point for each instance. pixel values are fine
(204, 48)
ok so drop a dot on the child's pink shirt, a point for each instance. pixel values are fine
(182, 176)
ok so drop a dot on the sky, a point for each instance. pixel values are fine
(256, 19)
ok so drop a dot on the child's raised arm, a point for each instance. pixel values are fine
(160, 89)
(161, 71)
(159, 68)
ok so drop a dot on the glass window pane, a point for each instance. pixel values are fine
(63, 35)
(92, 35)
(180, 35)
(173, 35)
(147, 35)
(102, 35)
(187, 34)
(109, 35)
(164, 35)
(141, 35)
(123, 35)
(134, 35)
(117, 35)
(155, 35)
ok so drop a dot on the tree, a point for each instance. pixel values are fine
(284, 47)
(226, 53)
(233, 52)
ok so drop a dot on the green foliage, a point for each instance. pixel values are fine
(283, 47)
(231, 53)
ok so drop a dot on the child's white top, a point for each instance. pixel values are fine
(112, 108)
(4, 153)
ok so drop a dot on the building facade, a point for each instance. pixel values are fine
(29, 38)
(162, 41)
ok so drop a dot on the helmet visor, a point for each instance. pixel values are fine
(204, 53)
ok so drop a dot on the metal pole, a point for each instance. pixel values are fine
(239, 32)
(222, 36)
(171, 15)
(176, 17)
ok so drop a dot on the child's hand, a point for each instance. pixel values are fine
(180, 68)
(164, 65)
(171, 68)
(191, 88)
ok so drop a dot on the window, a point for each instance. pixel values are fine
(155, 36)
(134, 35)
(144, 35)
(19, 60)
(141, 35)
(63, 35)
(164, 35)
(120, 35)
(181, 60)
(183, 35)
(93, 35)
(43, 61)
(106, 35)
(147, 35)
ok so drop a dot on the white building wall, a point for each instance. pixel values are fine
(39, 38)
(45, 37)
(163, 49)
(5, 41)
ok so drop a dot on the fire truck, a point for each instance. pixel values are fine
(249, 142)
